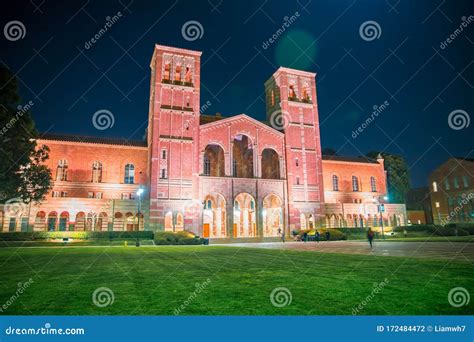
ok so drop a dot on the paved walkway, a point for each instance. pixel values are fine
(435, 250)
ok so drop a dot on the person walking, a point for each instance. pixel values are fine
(283, 236)
(318, 236)
(328, 235)
(305, 236)
(370, 236)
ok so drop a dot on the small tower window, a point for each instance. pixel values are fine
(335, 183)
(297, 180)
(373, 185)
(272, 98)
(297, 162)
(167, 75)
(61, 172)
(292, 93)
(177, 73)
(187, 77)
(163, 154)
(355, 183)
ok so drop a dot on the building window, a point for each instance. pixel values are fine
(465, 181)
(437, 204)
(98, 195)
(292, 93)
(446, 184)
(163, 154)
(56, 194)
(187, 77)
(61, 172)
(297, 180)
(63, 193)
(90, 194)
(373, 185)
(207, 166)
(96, 172)
(177, 73)
(456, 183)
(297, 162)
(355, 183)
(166, 76)
(435, 187)
(335, 183)
(163, 173)
(125, 196)
(272, 97)
(234, 168)
(129, 174)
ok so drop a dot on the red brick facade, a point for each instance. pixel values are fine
(219, 177)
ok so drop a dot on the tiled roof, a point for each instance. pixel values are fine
(93, 140)
(350, 159)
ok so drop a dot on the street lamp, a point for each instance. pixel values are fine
(139, 193)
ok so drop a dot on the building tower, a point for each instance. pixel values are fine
(173, 138)
(291, 106)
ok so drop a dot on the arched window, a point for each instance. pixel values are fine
(214, 161)
(177, 73)
(355, 183)
(270, 164)
(61, 171)
(96, 172)
(242, 153)
(292, 93)
(187, 76)
(166, 76)
(373, 185)
(335, 183)
(129, 174)
(207, 165)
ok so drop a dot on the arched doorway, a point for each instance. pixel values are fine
(242, 152)
(244, 216)
(214, 216)
(311, 222)
(102, 222)
(129, 222)
(169, 221)
(270, 164)
(272, 215)
(118, 222)
(63, 221)
(80, 221)
(214, 161)
(52, 221)
(179, 226)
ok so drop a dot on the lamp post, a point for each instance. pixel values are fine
(381, 211)
(139, 193)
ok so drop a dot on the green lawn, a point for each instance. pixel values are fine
(157, 280)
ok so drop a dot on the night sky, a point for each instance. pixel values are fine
(403, 64)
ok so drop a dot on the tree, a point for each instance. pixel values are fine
(398, 179)
(328, 151)
(23, 176)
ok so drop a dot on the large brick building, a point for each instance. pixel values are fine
(452, 191)
(217, 176)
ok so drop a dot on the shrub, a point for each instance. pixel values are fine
(448, 231)
(168, 236)
(162, 242)
(192, 241)
(333, 236)
(185, 234)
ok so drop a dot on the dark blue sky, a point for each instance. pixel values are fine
(405, 66)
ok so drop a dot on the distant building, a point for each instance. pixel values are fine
(220, 177)
(419, 206)
(452, 191)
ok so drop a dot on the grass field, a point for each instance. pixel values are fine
(157, 280)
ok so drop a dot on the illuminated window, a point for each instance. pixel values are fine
(129, 174)
(437, 204)
(465, 181)
(456, 182)
(373, 185)
(166, 76)
(96, 172)
(177, 73)
(272, 97)
(355, 183)
(335, 183)
(61, 171)
(435, 187)
(446, 184)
